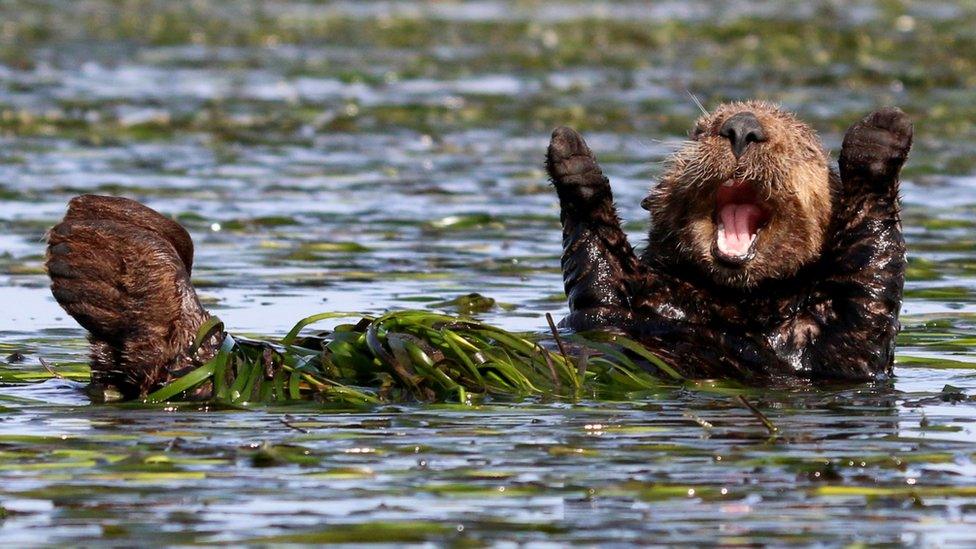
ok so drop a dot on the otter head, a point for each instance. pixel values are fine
(747, 199)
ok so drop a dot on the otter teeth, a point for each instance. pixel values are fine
(722, 243)
(724, 247)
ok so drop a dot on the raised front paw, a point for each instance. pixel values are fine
(875, 148)
(573, 168)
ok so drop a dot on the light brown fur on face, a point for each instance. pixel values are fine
(789, 174)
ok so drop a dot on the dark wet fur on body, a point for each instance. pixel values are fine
(831, 315)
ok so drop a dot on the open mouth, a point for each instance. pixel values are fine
(739, 218)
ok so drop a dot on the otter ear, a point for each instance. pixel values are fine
(875, 149)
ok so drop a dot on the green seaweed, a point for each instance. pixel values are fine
(415, 355)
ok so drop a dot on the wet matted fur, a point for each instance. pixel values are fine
(819, 290)
(122, 271)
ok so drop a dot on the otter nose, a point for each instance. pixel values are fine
(741, 130)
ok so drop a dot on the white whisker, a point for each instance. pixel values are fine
(698, 103)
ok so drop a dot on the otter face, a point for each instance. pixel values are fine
(748, 198)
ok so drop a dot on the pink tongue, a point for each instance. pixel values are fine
(738, 221)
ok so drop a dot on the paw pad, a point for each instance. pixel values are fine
(571, 165)
(878, 145)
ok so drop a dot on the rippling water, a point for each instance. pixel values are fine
(372, 155)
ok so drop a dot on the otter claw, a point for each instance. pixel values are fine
(876, 147)
(571, 165)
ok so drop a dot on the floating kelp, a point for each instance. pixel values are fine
(417, 356)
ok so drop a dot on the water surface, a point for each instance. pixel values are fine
(370, 155)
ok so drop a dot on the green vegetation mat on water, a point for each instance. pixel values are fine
(417, 355)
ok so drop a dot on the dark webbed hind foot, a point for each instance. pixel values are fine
(875, 149)
(574, 170)
(122, 271)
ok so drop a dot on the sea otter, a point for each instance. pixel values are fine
(761, 260)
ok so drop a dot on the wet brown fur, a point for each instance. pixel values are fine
(822, 294)
(789, 171)
(122, 271)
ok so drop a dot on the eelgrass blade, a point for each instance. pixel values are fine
(280, 392)
(177, 386)
(242, 375)
(206, 330)
(223, 358)
(293, 333)
(294, 385)
(199, 375)
(642, 351)
(454, 343)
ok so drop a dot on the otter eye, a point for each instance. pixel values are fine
(697, 132)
